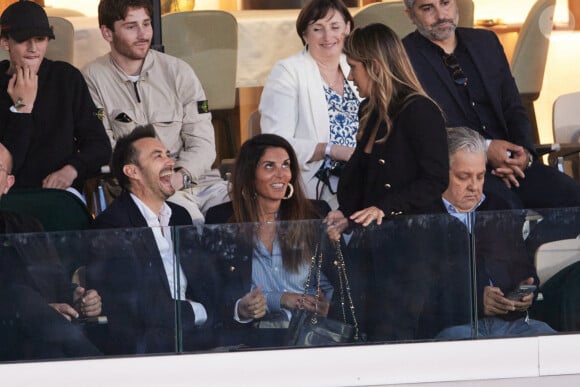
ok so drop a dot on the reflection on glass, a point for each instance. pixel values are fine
(410, 280)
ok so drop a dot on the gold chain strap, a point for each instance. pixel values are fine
(316, 260)
(341, 267)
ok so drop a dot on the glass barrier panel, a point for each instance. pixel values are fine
(407, 279)
(133, 270)
(512, 297)
(420, 277)
(553, 242)
(239, 286)
(51, 278)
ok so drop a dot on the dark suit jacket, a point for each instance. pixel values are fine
(128, 272)
(404, 174)
(501, 255)
(31, 260)
(31, 277)
(491, 63)
(234, 257)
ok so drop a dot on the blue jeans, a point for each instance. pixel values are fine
(496, 327)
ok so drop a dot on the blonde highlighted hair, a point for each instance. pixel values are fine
(392, 79)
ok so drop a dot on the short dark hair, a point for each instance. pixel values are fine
(316, 10)
(112, 10)
(125, 153)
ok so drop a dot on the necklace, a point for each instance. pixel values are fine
(332, 83)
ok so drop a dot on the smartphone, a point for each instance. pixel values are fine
(520, 292)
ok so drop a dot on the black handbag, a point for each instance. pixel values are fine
(309, 328)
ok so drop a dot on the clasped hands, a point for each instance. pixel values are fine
(86, 304)
(508, 161)
(292, 301)
(253, 305)
(495, 302)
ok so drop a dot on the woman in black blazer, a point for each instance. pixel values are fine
(264, 261)
(400, 165)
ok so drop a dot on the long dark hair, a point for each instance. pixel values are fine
(293, 238)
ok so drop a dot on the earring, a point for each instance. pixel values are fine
(289, 195)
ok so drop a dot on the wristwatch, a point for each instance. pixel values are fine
(19, 103)
(530, 158)
(187, 181)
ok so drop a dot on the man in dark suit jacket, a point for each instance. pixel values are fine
(148, 308)
(466, 72)
(37, 303)
(501, 259)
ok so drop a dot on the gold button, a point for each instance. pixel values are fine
(232, 268)
(387, 186)
(381, 161)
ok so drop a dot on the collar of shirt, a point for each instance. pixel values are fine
(152, 219)
(147, 64)
(462, 216)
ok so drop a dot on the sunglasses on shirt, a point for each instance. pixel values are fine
(455, 70)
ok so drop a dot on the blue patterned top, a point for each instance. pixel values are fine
(342, 115)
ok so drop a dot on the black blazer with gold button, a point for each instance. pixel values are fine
(404, 174)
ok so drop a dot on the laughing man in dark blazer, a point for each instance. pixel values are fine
(466, 72)
(136, 273)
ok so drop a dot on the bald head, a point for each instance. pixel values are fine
(6, 177)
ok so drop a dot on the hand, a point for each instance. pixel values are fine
(495, 303)
(367, 215)
(498, 156)
(292, 301)
(87, 303)
(341, 152)
(23, 85)
(61, 179)
(252, 305)
(336, 223)
(507, 176)
(65, 310)
(526, 301)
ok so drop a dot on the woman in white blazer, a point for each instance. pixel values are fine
(308, 100)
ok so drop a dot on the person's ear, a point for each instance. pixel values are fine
(130, 170)
(409, 14)
(347, 29)
(107, 33)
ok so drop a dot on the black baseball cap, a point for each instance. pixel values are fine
(24, 20)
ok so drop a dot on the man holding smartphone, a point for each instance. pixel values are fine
(506, 277)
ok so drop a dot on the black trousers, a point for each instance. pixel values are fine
(543, 187)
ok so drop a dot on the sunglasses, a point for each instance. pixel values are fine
(457, 73)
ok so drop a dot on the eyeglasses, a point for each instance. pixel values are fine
(455, 70)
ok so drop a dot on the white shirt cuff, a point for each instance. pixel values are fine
(199, 311)
(237, 316)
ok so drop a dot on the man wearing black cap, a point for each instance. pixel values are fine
(47, 118)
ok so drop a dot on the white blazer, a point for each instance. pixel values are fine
(293, 105)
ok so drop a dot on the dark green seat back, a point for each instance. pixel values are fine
(56, 209)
